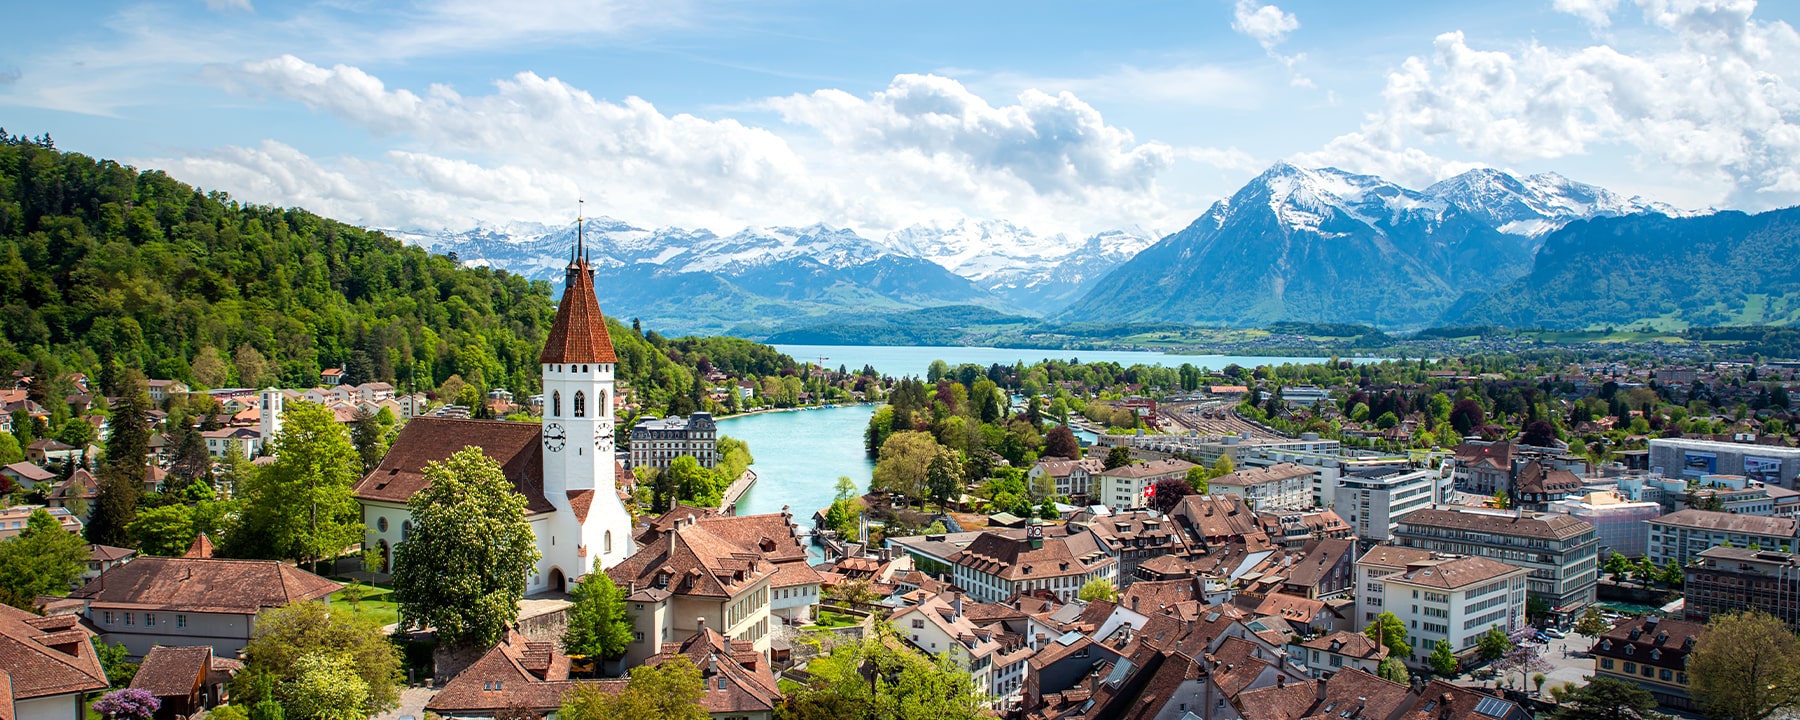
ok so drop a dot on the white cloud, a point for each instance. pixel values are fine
(1597, 13)
(1269, 25)
(1184, 84)
(921, 146)
(1721, 106)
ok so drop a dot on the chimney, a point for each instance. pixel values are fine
(700, 622)
(956, 606)
(1280, 681)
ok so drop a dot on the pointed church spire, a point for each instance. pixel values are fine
(579, 333)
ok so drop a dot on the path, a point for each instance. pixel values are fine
(734, 493)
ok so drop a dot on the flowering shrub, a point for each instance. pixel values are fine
(129, 704)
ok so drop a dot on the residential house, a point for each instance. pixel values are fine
(1650, 652)
(794, 589)
(102, 558)
(1440, 700)
(515, 674)
(1133, 537)
(1327, 655)
(154, 601)
(48, 451)
(1073, 478)
(79, 489)
(243, 441)
(740, 684)
(1325, 570)
(185, 679)
(161, 390)
(1537, 483)
(1284, 486)
(13, 520)
(48, 666)
(938, 625)
(1353, 693)
(26, 475)
(690, 577)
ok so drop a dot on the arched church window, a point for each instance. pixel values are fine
(405, 530)
(556, 404)
(609, 541)
(601, 405)
(580, 404)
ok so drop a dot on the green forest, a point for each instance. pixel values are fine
(104, 268)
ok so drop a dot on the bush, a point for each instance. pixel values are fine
(128, 704)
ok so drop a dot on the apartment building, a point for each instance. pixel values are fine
(1681, 536)
(1724, 579)
(1559, 551)
(1456, 599)
(1372, 505)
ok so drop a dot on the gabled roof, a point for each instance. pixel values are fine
(515, 673)
(772, 534)
(173, 671)
(203, 585)
(30, 472)
(749, 683)
(46, 656)
(692, 560)
(516, 446)
(579, 333)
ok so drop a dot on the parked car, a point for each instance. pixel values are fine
(1555, 633)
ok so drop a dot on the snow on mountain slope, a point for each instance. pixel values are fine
(1039, 273)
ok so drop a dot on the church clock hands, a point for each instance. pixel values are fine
(603, 435)
(554, 437)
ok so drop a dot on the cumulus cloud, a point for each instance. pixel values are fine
(1721, 106)
(533, 144)
(1269, 25)
(1597, 13)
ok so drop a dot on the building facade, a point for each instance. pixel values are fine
(1622, 525)
(1372, 505)
(1678, 457)
(656, 442)
(1651, 653)
(1725, 579)
(1285, 486)
(997, 565)
(1455, 599)
(1681, 536)
(1560, 552)
(1127, 486)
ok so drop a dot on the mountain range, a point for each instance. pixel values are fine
(1314, 245)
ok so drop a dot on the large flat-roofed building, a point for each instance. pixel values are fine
(1286, 486)
(1726, 579)
(1326, 467)
(1371, 505)
(1455, 599)
(1622, 525)
(1681, 536)
(1771, 464)
(656, 442)
(1560, 551)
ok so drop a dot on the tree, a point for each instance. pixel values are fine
(943, 477)
(129, 704)
(369, 436)
(1119, 456)
(1198, 480)
(1466, 415)
(1390, 631)
(301, 507)
(1222, 466)
(1592, 624)
(166, 531)
(114, 661)
(121, 473)
(669, 691)
(880, 678)
(1061, 442)
(692, 483)
(43, 559)
(252, 369)
(1494, 644)
(1168, 492)
(1539, 433)
(192, 461)
(284, 637)
(10, 451)
(904, 463)
(1617, 565)
(324, 686)
(598, 626)
(1393, 670)
(463, 570)
(1745, 666)
(1443, 659)
(1098, 589)
(209, 368)
(1605, 698)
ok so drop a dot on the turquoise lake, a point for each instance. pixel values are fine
(902, 361)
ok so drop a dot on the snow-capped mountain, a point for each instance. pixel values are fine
(1334, 246)
(1039, 273)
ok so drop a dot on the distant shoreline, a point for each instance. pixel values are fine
(764, 411)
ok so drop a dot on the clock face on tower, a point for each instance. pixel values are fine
(554, 437)
(603, 435)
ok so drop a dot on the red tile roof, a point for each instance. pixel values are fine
(513, 674)
(203, 585)
(173, 671)
(579, 334)
(46, 656)
(515, 445)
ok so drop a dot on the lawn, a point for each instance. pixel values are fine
(375, 604)
(828, 619)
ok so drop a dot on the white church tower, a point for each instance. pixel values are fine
(273, 404)
(591, 529)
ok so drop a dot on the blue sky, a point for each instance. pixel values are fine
(1064, 117)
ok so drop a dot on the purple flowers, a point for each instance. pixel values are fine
(132, 704)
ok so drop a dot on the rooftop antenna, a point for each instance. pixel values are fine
(580, 217)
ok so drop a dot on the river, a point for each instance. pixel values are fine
(902, 361)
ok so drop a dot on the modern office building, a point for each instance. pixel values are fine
(1622, 525)
(1371, 505)
(1559, 550)
(1724, 579)
(1681, 536)
(1771, 464)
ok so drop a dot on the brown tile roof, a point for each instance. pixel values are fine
(772, 534)
(749, 685)
(1394, 556)
(1453, 574)
(1539, 478)
(1008, 555)
(203, 585)
(796, 574)
(1549, 526)
(1291, 701)
(1349, 644)
(1442, 701)
(30, 472)
(1217, 516)
(514, 673)
(1728, 522)
(515, 445)
(1292, 608)
(1321, 556)
(202, 547)
(692, 560)
(1660, 642)
(108, 553)
(1151, 596)
(1150, 468)
(579, 334)
(173, 671)
(45, 656)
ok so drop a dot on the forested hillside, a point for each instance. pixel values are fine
(104, 268)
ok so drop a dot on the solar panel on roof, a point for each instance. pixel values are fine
(1492, 707)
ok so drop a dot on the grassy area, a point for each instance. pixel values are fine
(830, 619)
(375, 604)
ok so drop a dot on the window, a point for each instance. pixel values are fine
(1606, 663)
(1649, 671)
(556, 404)
(127, 618)
(381, 524)
(106, 617)
(918, 624)
(149, 619)
(580, 404)
(637, 636)
(1630, 668)
(405, 529)
(180, 621)
(721, 682)
(609, 541)
(1666, 675)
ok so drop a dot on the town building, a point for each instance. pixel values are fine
(242, 441)
(1680, 536)
(656, 442)
(1286, 486)
(13, 520)
(563, 465)
(685, 578)
(48, 666)
(998, 565)
(1733, 494)
(1453, 598)
(1620, 524)
(1537, 483)
(1134, 537)
(1326, 467)
(102, 558)
(938, 625)
(1372, 505)
(26, 475)
(1073, 478)
(1560, 551)
(1305, 395)
(1128, 486)
(154, 601)
(1770, 464)
(161, 390)
(1327, 655)
(1381, 561)
(1650, 652)
(185, 679)
(1727, 579)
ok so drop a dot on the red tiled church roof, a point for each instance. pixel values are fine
(579, 333)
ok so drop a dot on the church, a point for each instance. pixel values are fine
(563, 465)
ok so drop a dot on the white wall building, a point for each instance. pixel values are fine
(1372, 505)
(1455, 599)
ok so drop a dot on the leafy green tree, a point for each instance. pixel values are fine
(283, 637)
(1389, 630)
(1198, 479)
(166, 531)
(845, 513)
(1616, 564)
(301, 506)
(10, 451)
(43, 559)
(1605, 698)
(1119, 456)
(693, 484)
(943, 477)
(324, 686)
(669, 691)
(1098, 589)
(121, 473)
(1393, 670)
(1443, 659)
(880, 678)
(1745, 666)
(114, 659)
(1592, 624)
(598, 626)
(1222, 466)
(463, 570)
(1494, 644)
(369, 435)
(904, 463)
(192, 462)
